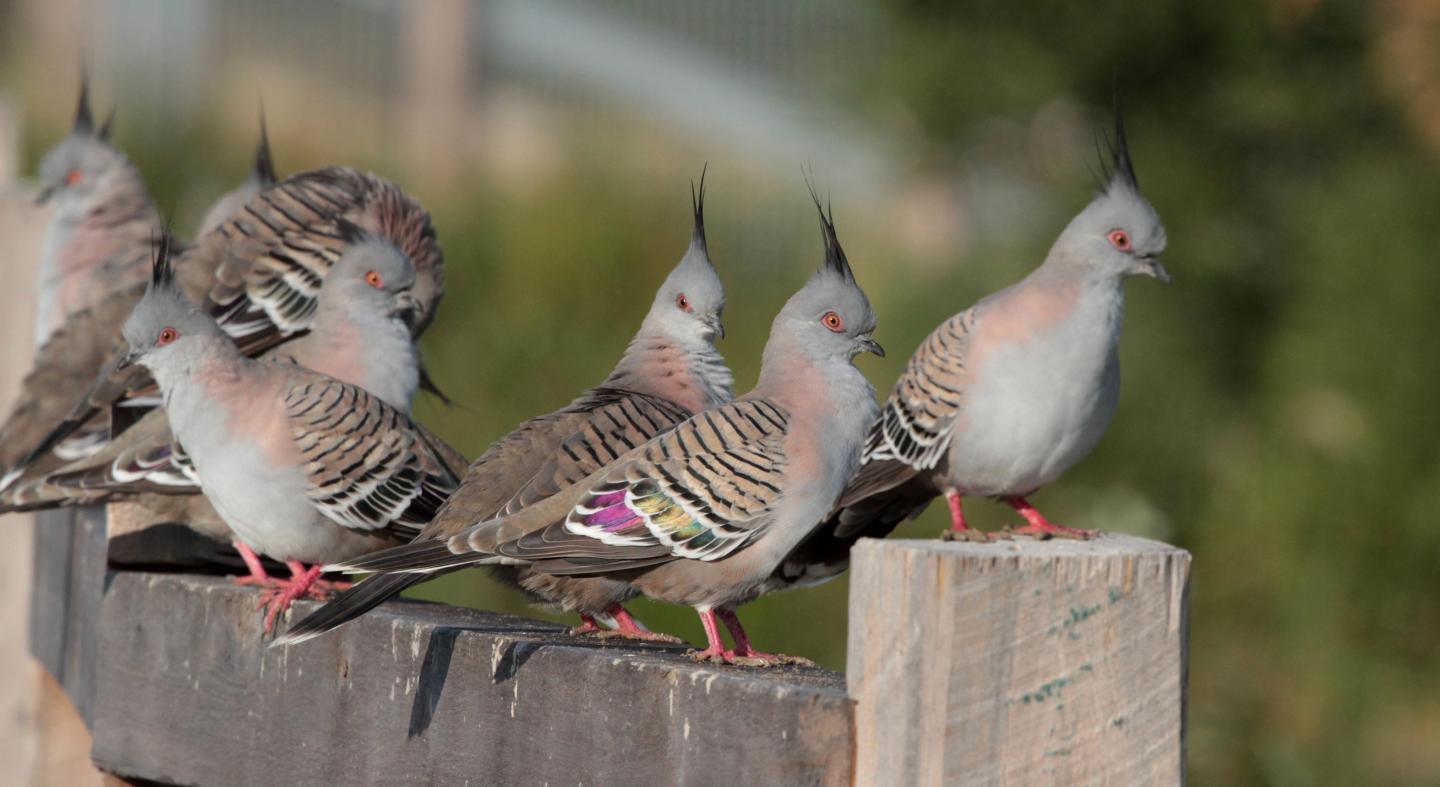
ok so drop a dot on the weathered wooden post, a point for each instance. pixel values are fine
(1021, 662)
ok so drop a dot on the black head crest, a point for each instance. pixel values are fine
(835, 260)
(264, 168)
(84, 121)
(162, 272)
(1122, 168)
(697, 203)
(107, 127)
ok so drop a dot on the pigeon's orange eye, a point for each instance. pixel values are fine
(683, 303)
(1120, 239)
(166, 335)
(74, 176)
(374, 279)
(832, 321)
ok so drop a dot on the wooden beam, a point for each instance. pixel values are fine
(1021, 662)
(69, 582)
(417, 692)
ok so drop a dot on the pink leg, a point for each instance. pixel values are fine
(588, 625)
(303, 583)
(627, 627)
(715, 647)
(258, 576)
(745, 653)
(1040, 526)
(959, 530)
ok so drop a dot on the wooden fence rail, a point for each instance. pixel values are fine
(1054, 662)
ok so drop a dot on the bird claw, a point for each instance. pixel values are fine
(638, 635)
(1054, 531)
(753, 658)
(969, 535)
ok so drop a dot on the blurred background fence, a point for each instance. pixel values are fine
(1279, 414)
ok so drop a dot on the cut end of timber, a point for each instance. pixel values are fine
(1023, 661)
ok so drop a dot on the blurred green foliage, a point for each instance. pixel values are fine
(1279, 416)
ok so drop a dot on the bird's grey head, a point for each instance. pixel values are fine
(829, 317)
(1118, 233)
(372, 277)
(165, 326)
(691, 301)
(84, 167)
(262, 176)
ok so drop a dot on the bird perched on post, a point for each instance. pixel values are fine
(1004, 397)
(102, 221)
(302, 467)
(259, 274)
(670, 371)
(703, 514)
(360, 335)
(76, 351)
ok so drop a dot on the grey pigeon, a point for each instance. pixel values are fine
(1007, 395)
(360, 335)
(670, 371)
(703, 514)
(101, 222)
(259, 274)
(302, 467)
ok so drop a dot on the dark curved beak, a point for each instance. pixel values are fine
(44, 195)
(407, 307)
(1155, 270)
(869, 345)
(714, 324)
(126, 361)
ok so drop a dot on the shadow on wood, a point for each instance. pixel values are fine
(189, 693)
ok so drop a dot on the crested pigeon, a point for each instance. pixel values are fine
(302, 467)
(702, 514)
(670, 371)
(259, 274)
(360, 336)
(1004, 397)
(101, 223)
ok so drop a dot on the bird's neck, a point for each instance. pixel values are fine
(371, 351)
(687, 371)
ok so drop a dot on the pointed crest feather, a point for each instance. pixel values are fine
(697, 203)
(350, 232)
(84, 121)
(107, 127)
(264, 168)
(162, 273)
(835, 260)
(1122, 170)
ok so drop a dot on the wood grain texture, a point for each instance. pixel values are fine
(417, 692)
(1022, 662)
(69, 582)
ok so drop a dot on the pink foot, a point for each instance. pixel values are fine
(746, 655)
(301, 584)
(715, 647)
(587, 626)
(1039, 526)
(959, 531)
(627, 627)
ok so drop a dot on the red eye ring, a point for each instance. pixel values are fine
(1120, 239)
(374, 279)
(684, 303)
(166, 336)
(74, 176)
(833, 321)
